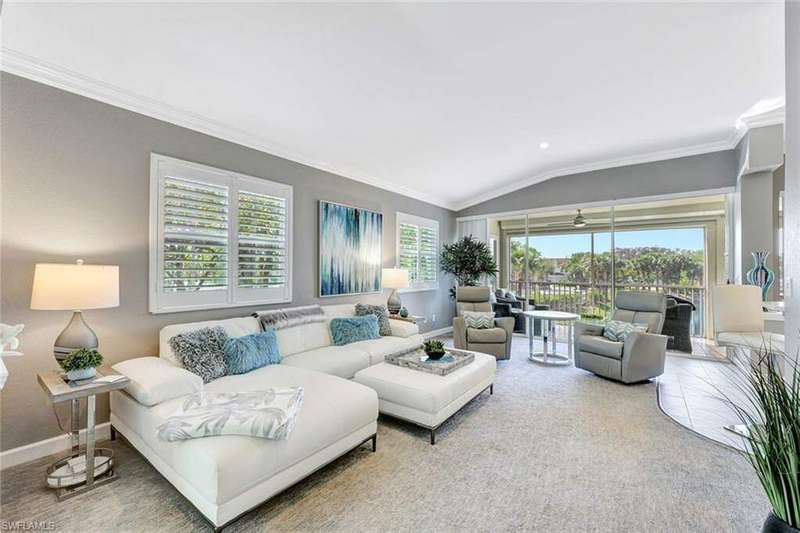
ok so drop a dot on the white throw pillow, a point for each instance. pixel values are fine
(479, 319)
(154, 380)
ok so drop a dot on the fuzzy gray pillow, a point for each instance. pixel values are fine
(202, 352)
(380, 311)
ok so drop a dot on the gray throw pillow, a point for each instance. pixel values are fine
(380, 311)
(202, 352)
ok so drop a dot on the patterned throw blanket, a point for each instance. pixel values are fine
(268, 414)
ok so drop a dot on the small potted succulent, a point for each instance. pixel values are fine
(434, 349)
(81, 364)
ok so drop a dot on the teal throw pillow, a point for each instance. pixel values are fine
(243, 354)
(353, 329)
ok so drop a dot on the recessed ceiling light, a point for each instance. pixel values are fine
(544, 145)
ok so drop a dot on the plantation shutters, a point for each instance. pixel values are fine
(408, 254)
(418, 250)
(195, 236)
(428, 254)
(218, 239)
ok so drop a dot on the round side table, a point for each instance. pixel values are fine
(549, 319)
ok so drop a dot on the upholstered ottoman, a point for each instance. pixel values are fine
(425, 399)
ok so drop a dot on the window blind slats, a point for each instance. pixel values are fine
(409, 250)
(418, 247)
(262, 241)
(428, 251)
(195, 225)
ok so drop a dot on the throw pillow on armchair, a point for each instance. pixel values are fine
(479, 319)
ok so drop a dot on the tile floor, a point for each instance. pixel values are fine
(691, 388)
(691, 392)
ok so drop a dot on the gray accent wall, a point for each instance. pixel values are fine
(757, 219)
(75, 180)
(685, 174)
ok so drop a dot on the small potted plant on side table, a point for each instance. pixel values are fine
(81, 364)
(434, 349)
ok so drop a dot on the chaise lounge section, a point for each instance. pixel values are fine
(226, 476)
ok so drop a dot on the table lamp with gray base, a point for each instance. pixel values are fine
(394, 278)
(64, 287)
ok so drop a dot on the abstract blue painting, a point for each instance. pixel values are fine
(350, 250)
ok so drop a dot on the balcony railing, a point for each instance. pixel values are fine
(594, 300)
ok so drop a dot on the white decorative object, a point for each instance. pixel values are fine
(8, 338)
(8, 345)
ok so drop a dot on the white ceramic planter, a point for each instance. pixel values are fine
(83, 373)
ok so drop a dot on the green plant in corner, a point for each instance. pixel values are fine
(769, 383)
(468, 260)
(82, 358)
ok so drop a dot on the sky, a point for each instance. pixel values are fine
(568, 244)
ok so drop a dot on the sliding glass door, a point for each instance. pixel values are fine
(577, 264)
(670, 260)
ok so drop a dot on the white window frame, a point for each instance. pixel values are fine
(420, 222)
(161, 301)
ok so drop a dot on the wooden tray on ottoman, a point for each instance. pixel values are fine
(418, 360)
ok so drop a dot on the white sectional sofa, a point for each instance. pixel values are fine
(226, 476)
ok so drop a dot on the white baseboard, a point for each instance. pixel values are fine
(43, 448)
(437, 332)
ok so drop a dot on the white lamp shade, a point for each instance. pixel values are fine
(74, 287)
(394, 278)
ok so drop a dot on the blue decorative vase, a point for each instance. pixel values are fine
(760, 275)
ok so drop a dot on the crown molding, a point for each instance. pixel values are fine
(743, 125)
(32, 68)
(768, 118)
(26, 66)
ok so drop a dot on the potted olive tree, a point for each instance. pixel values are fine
(769, 409)
(468, 260)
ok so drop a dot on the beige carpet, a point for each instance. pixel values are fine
(555, 449)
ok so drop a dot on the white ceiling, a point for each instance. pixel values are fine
(444, 102)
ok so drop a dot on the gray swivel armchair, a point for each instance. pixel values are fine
(641, 356)
(495, 341)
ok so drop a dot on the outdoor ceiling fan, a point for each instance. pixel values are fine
(578, 222)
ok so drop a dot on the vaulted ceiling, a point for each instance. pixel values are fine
(445, 102)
